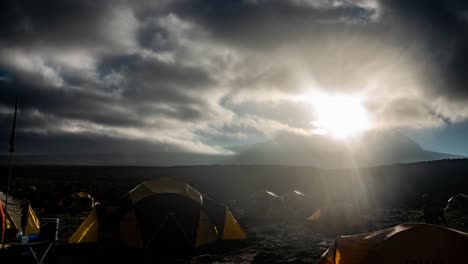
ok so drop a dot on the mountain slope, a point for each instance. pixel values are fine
(370, 149)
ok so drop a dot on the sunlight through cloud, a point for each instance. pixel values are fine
(340, 116)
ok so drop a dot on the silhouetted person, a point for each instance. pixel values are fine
(433, 213)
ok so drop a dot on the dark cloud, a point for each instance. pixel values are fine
(441, 32)
(156, 81)
(55, 22)
(62, 103)
(202, 75)
(260, 24)
(66, 143)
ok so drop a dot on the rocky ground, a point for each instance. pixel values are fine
(289, 241)
(269, 242)
(295, 242)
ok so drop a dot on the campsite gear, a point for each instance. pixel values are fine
(78, 202)
(24, 239)
(297, 204)
(222, 218)
(265, 206)
(458, 202)
(12, 149)
(82, 200)
(36, 250)
(167, 216)
(406, 243)
(49, 229)
(88, 231)
(33, 237)
(20, 216)
(2, 222)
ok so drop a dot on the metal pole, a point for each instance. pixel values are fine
(6, 199)
(8, 186)
(12, 149)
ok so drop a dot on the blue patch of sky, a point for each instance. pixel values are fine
(448, 139)
(5, 75)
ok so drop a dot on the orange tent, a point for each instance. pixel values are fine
(407, 243)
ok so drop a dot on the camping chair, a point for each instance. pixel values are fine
(39, 249)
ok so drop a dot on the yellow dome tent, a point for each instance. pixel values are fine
(265, 206)
(78, 202)
(297, 204)
(458, 202)
(88, 231)
(167, 215)
(20, 215)
(407, 243)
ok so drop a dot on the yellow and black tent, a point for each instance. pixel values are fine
(226, 225)
(78, 202)
(20, 216)
(88, 231)
(407, 243)
(165, 215)
(458, 202)
(265, 206)
(297, 204)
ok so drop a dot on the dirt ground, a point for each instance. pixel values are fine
(283, 241)
(293, 242)
(287, 241)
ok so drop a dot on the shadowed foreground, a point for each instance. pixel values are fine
(392, 196)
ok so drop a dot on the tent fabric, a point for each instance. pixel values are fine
(407, 243)
(294, 194)
(20, 215)
(297, 204)
(14, 211)
(232, 229)
(88, 231)
(458, 202)
(130, 234)
(2, 222)
(78, 201)
(169, 221)
(206, 231)
(80, 195)
(265, 205)
(165, 213)
(32, 222)
(227, 226)
(164, 185)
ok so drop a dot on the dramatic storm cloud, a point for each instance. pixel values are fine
(200, 76)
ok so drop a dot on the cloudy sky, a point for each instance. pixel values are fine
(200, 76)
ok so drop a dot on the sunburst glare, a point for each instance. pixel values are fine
(340, 116)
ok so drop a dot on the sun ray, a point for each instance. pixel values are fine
(340, 116)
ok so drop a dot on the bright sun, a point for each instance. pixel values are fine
(340, 116)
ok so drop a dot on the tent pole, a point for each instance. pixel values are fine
(6, 197)
(9, 181)
(12, 149)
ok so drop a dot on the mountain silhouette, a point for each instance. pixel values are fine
(368, 149)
